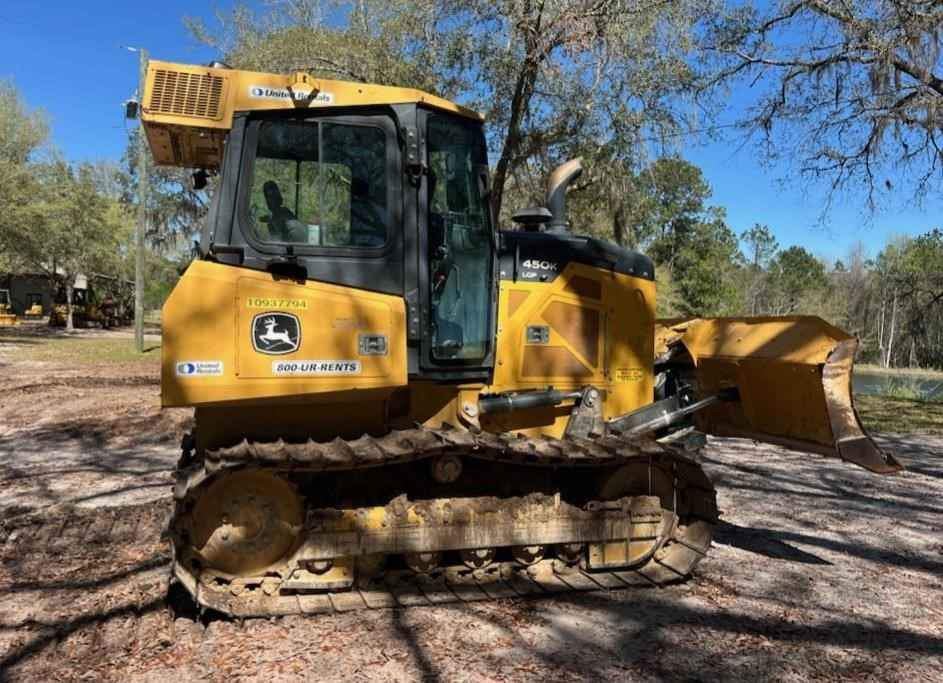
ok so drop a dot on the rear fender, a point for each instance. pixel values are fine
(793, 375)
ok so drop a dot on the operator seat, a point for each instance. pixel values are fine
(281, 218)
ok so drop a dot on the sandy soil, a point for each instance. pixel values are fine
(819, 570)
(84, 434)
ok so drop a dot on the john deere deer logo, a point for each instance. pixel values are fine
(276, 333)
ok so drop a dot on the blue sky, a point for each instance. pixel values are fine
(67, 58)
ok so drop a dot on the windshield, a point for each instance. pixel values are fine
(322, 184)
(460, 241)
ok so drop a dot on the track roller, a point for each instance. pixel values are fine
(526, 555)
(478, 558)
(422, 563)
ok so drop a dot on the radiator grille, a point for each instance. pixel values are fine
(187, 94)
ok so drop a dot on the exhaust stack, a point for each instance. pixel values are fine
(560, 179)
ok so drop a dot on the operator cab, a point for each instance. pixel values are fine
(392, 199)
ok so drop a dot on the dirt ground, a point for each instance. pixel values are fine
(819, 570)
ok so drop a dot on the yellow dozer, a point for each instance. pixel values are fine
(396, 403)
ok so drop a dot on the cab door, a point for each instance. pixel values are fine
(456, 252)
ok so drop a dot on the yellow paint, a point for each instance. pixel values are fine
(187, 109)
(348, 414)
(796, 338)
(776, 363)
(623, 354)
(206, 321)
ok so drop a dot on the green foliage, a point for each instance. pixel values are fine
(667, 302)
(175, 210)
(555, 79)
(76, 228)
(160, 275)
(55, 218)
(795, 276)
(761, 245)
(671, 203)
(705, 267)
(667, 216)
(22, 132)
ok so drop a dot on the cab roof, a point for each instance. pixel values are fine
(187, 110)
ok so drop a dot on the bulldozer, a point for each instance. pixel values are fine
(397, 403)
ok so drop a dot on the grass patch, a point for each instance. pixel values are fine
(85, 351)
(870, 369)
(901, 415)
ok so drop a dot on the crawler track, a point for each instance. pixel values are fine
(687, 512)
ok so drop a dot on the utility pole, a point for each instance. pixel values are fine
(142, 214)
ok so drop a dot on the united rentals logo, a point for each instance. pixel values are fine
(261, 92)
(276, 333)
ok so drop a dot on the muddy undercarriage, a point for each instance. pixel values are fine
(277, 528)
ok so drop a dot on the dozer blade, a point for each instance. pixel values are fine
(793, 375)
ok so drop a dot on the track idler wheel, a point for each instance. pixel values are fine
(245, 522)
(686, 493)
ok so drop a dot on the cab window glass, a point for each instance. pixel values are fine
(319, 184)
(460, 241)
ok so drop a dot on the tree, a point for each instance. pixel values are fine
(853, 89)
(852, 281)
(561, 79)
(917, 281)
(669, 200)
(554, 79)
(704, 268)
(175, 208)
(795, 276)
(761, 247)
(22, 132)
(22, 135)
(388, 43)
(72, 230)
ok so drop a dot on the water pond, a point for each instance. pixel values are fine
(902, 385)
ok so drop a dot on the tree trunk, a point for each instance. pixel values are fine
(523, 89)
(890, 336)
(68, 305)
(755, 291)
(881, 347)
(618, 227)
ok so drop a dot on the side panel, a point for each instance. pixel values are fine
(588, 326)
(228, 336)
